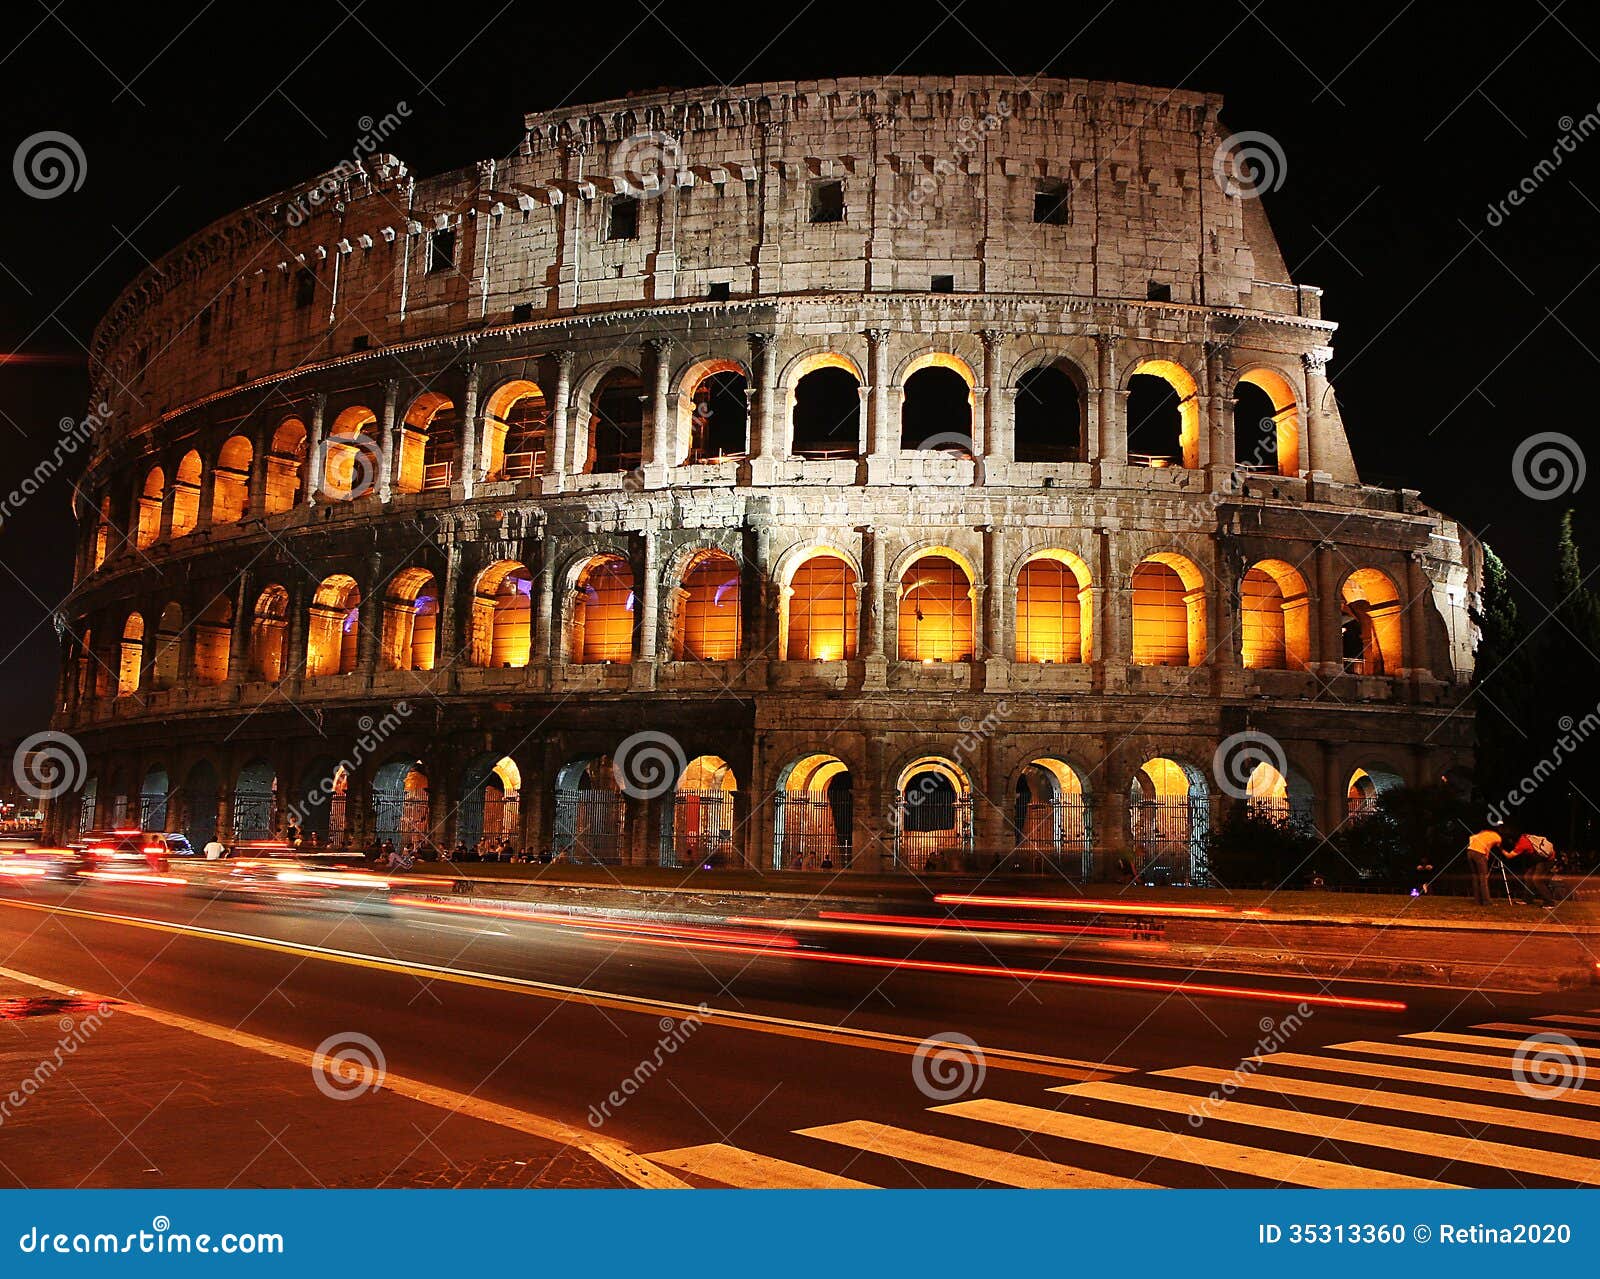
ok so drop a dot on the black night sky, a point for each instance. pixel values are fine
(1458, 339)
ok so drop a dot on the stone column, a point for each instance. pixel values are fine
(316, 453)
(1330, 612)
(208, 495)
(389, 440)
(560, 410)
(1223, 639)
(448, 643)
(991, 434)
(260, 468)
(239, 640)
(649, 596)
(1332, 806)
(996, 651)
(769, 443)
(471, 442)
(1218, 411)
(870, 609)
(1113, 402)
(295, 657)
(539, 661)
(1312, 443)
(1419, 604)
(883, 443)
(660, 449)
(870, 805)
(1112, 626)
(370, 619)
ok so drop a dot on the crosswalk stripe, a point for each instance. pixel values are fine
(1332, 1128)
(1298, 1170)
(1488, 1041)
(1570, 1019)
(1001, 1166)
(1378, 1099)
(1520, 1028)
(1415, 1075)
(746, 1170)
(1503, 1062)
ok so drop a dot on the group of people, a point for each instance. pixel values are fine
(386, 855)
(1531, 858)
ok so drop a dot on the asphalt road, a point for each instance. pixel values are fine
(819, 1063)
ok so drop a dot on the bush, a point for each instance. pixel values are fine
(1250, 850)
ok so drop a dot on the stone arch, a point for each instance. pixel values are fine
(402, 802)
(152, 494)
(813, 814)
(430, 445)
(1054, 608)
(199, 797)
(590, 812)
(286, 463)
(1168, 599)
(1274, 617)
(823, 419)
(269, 634)
(937, 394)
(818, 604)
(1366, 786)
(697, 824)
(255, 799)
(1049, 409)
(516, 423)
(601, 619)
(333, 627)
(1163, 427)
(169, 636)
(1373, 626)
(350, 455)
(213, 642)
(713, 411)
(502, 616)
(153, 799)
(491, 803)
(615, 421)
(937, 606)
(130, 655)
(410, 635)
(1052, 815)
(933, 828)
(1169, 817)
(230, 480)
(1266, 422)
(186, 494)
(706, 608)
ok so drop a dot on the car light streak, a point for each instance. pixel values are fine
(131, 877)
(988, 925)
(607, 926)
(1086, 905)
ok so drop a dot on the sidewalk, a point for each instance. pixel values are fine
(100, 1094)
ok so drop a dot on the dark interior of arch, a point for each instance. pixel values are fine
(1255, 434)
(937, 412)
(721, 417)
(1154, 421)
(1049, 426)
(617, 428)
(827, 414)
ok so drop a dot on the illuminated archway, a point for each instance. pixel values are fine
(151, 495)
(516, 425)
(602, 612)
(1274, 618)
(490, 815)
(1266, 423)
(130, 656)
(502, 611)
(429, 445)
(933, 815)
(410, 622)
(269, 635)
(698, 829)
(1055, 609)
(230, 481)
(1163, 415)
(1052, 817)
(825, 407)
(401, 803)
(350, 455)
(1169, 815)
(333, 627)
(186, 494)
(1169, 612)
(1372, 627)
(818, 610)
(591, 812)
(1366, 788)
(713, 418)
(706, 620)
(936, 394)
(936, 609)
(813, 815)
(286, 461)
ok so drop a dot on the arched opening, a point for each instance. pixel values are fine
(1169, 815)
(230, 481)
(200, 797)
(1055, 609)
(186, 494)
(825, 412)
(169, 632)
(286, 465)
(591, 812)
(813, 817)
(936, 408)
(933, 816)
(820, 611)
(350, 455)
(400, 803)
(602, 612)
(88, 805)
(935, 619)
(1169, 612)
(1274, 618)
(103, 532)
(255, 797)
(489, 820)
(1372, 624)
(1052, 818)
(708, 610)
(616, 423)
(130, 656)
(269, 635)
(1048, 416)
(699, 829)
(410, 622)
(429, 439)
(333, 627)
(1366, 789)
(719, 416)
(501, 616)
(517, 423)
(1163, 416)
(322, 812)
(213, 642)
(151, 495)
(89, 675)
(153, 800)
(1267, 794)
(1266, 424)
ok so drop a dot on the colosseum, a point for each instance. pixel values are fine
(907, 474)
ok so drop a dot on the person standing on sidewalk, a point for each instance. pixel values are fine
(1480, 848)
(1533, 857)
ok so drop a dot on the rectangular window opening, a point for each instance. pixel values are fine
(827, 201)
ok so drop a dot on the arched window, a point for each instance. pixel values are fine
(933, 816)
(1169, 816)
(1048, 416)
(708, 612)
(102, 532)
(821, 621)
(517, 421)
(1275, 618)
(130, 657)
(186, 495)
(501, 616)
(616, 423)
(169, 630)
(1054, 617)
(1366, 789)
(410, 621)
(936, 408)
(230, 480)
(1266, 424)
(700, 831)
(213, 642)
(602, 616)
(286, 463)
(334, 627)
(719, 416)
(813, 817)
(935, 611)
(1163, 416)
(350, 455)
(1169, 612)
(151, 494)
(591, 811)
(1372, 626)
(428, 445)
(269, 635)
(825, 413)
(1052, 817)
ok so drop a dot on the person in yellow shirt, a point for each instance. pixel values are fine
(1482, 846)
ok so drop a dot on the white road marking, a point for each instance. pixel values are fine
(746, 1170)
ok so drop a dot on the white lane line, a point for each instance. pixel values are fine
(1296, 1170)
(1002, 1167)
(746, 1170)
(1488, 1041)
(1505, 1087)
(1574, 1070)
(1570, 1019)
(1456, 1149)
(1525, 1029)
(1409, 1103)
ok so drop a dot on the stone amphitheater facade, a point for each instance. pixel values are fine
(803, 474)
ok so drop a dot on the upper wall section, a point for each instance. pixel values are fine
(971, 185)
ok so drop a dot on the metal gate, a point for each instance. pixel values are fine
(700, 830)
(589, 826)
(1167, 839)
(1055, 837)
(813, 833)
(404, 820)
(933, 834)
(252, 815)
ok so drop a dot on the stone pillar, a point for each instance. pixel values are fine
(1330, 612)
(882, 438)
(1419, 605)
(260, 468)
(871, 835)
(994, 836)
(295, 657)
(769, 444)
(471, 442)
(991, 432)
(208, 495)
(649, 596)
(1218, 411)
(1332, 804)
(1113, 627)
(316, 453)
(560, 411)
(239, 640)
(1313, 450)
(1222, 636)
(369, 623)
(539, 660)
(1113, 403)
(448, 643)
(660, 450)
(389, 440)
(869, 611)
(996, 590)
